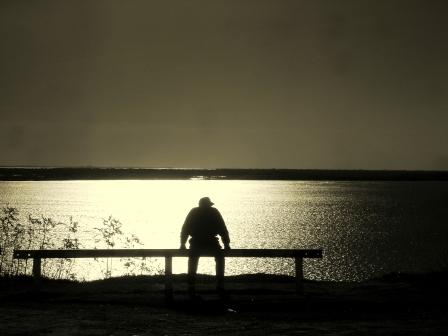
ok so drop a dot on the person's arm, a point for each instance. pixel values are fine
(222, 230)
(185, 232)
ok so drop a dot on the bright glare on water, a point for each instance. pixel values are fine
(365, 228)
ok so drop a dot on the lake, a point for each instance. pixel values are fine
(366, 229)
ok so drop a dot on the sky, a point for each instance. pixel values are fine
(334, 84)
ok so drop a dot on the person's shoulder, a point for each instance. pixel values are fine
(214, 210)
(197, 211)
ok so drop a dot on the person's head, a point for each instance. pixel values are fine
(205, 202)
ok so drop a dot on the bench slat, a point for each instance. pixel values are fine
(124, 253)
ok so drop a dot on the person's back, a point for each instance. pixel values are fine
(203, 224)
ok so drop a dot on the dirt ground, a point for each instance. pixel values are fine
(257, 305)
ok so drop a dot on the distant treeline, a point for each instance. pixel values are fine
(87, 173)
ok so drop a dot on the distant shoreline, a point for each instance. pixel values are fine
(95, 173)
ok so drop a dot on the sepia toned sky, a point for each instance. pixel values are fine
(354, 84)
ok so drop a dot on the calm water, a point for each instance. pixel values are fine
(365, 228)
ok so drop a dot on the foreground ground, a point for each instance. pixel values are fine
(257, 305)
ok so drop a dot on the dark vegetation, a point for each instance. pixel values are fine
(91, 173)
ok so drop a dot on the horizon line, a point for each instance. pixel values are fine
(218, 168)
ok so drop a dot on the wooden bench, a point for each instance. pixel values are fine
(169, 254)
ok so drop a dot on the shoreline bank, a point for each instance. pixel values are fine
(259, 303)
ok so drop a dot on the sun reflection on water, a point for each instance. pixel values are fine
(365, 228)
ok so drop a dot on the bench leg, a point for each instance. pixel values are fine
(299, 275)
(169, 277)
(37, 273)
(36, 268)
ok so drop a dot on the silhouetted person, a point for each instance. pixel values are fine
(203, 224)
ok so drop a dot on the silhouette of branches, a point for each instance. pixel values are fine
(41, 232)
